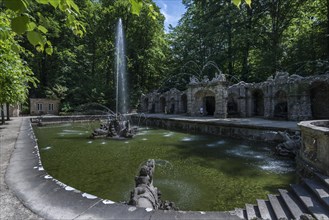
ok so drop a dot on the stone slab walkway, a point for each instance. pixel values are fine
(10, 206)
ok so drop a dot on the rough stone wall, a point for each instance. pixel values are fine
(281, 97)
(315, 144)
(206, 94)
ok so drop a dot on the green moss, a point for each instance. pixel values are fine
(208, 173)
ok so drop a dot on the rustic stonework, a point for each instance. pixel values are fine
(206, 94)
(315, 145)
(282, 97)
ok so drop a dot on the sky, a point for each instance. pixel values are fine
(172, 10)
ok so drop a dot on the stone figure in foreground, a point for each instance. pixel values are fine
(145, 195)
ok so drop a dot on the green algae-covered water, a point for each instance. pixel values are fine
(197, 172)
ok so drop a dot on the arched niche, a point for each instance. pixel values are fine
(257, 103)
(280, 105)
(172, 106)
(206, 99)
(163, 104)
(232, 105)
(183, 101)
(146, 104)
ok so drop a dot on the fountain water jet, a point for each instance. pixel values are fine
(121, 72)
(117, 126)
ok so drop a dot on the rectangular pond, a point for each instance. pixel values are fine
(197, 172)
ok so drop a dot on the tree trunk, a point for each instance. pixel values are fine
(328, 29)
(245, 58)
(229, 41)
(2, 114)
(8, 116)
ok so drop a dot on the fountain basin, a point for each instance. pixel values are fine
(196, 172)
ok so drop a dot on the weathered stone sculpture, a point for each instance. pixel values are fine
(145, 195)
(289, 146)
(115, 127)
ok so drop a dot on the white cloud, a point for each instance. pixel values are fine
(172, 10)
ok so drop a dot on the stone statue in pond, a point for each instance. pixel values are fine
(290, 144)
(115, 128)
(145, 195)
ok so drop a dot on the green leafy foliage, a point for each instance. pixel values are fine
(54, 3)
(16, 5)
(15, 75)
(20, 24)
(25, 22)
(85, 65)
(237, 2)
(35, 38)
(136, 6)
(249, 43)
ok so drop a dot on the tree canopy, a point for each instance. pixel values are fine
(254, 40)
(68, 46)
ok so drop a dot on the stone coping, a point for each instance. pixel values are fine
(253, 123)
(259, 123)
(52, 199)
(318, 125)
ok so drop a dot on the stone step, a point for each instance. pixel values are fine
(277, 206)
(319, 190)
(240, 213)
(294, 205)
(251, 213)
(265, 209)
(324, 179)
(311, 202)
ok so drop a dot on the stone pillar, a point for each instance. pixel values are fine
(221, 102)
(242, 102)
(268, 102)
(248, 103)
(189, 101)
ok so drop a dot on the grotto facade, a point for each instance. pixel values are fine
(282, 97)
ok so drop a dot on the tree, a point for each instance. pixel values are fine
(250, 42)
(23, 22)
(15, 75)
(83, 67)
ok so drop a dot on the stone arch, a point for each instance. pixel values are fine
(205, 99)
(183, 103)
(232, 105)
(280, 105)
(319, 93)
(152, 108)
(172, 106)
(163, 104)
(210, 103)
(257, 103)
(146, 104)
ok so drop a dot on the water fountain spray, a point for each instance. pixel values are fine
(121, 71)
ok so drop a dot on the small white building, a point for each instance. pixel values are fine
(44, 106)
